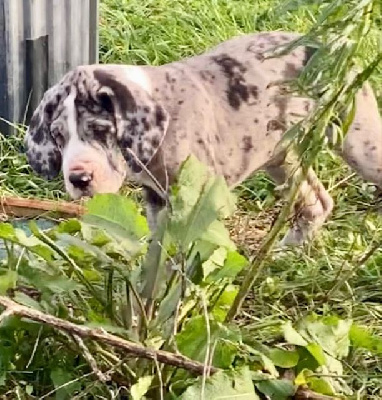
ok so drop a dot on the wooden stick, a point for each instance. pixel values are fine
(99, 335)
(19, 207)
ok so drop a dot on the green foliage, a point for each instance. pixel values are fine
(224, 385)
(91, 271)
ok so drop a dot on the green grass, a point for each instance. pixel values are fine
(325, 277)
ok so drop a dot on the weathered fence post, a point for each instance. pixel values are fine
(40, 40)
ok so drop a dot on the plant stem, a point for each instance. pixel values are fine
(258, 263)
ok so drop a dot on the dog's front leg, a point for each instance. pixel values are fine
(154, 204)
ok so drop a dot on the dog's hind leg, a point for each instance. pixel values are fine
(362, 147)
(312, 207)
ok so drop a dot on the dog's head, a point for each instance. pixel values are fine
(90, 124)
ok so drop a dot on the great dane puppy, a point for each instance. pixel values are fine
(102, 124)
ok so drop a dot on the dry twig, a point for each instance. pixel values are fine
(137, 350)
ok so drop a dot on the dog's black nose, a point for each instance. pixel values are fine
(80, 180)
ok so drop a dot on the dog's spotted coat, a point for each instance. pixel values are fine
(223, 106)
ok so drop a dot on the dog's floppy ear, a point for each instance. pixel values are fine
(141, 122)
(42, 151)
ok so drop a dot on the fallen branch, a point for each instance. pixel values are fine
(19, 207)
(165, 357)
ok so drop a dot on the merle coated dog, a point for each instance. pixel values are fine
(102, 124)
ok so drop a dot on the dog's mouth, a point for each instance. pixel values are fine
(81, 194)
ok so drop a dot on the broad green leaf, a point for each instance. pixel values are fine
(224, 303)
(117, 213)
(197, 201)
(276, 389)
(284, 358)
(70, 226)
(18, 236)
(8, 280)
(139, 389)
(333, 365)
(191, 178)
(361, 338)
(216, 261)
(316, 351)
(27, 301)
(218, 234)
(302, 378)
(60, 378)
(194, 268)
(78, 244)
(235, 385)
(233, 264)
(292, 336)
(193, 339)
(331, 334)
(154, 267)
(320, 385)
(259, 361)
(168, 305)
(306, 360)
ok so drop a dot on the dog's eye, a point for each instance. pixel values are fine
(99, 128)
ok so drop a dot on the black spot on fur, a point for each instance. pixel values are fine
(291, 71)
(146, 124)
(207, 76)
(126, 142)
(247, 143)
(54, 163)
(309, 53)
(106, 102)
(238, 90)
(49, 110)
(160, 117)
(274, 125)
(155, 141)
(39, 135)
(122, 93)
(140, 150)
(180, 102)
(135, 167)
(35, 122)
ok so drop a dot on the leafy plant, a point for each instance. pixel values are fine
(94, 273)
